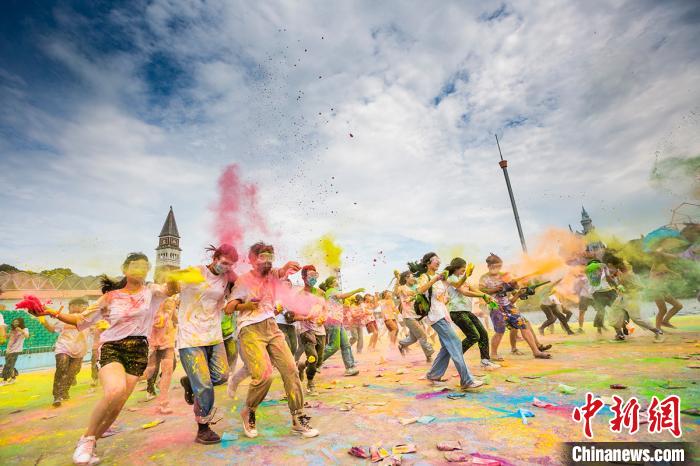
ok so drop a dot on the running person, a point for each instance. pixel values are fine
(71, 348)
(200, 339)
(506, 315)
(123, 351)
(15, 345)
(460, 312)
(263, 345)
(431, 284)
(405, 288)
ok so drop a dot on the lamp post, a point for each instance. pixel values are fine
(504, 165)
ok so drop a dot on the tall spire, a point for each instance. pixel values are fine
(170, 227)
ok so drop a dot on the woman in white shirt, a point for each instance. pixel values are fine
(432, 285)
(126, 306)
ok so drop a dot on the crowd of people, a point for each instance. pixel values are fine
(208, 317)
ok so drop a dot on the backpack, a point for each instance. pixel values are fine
(421, 305)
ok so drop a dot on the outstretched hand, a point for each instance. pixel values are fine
(290, 268)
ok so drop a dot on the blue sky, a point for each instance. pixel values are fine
(112, 112)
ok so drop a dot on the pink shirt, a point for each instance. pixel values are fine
(128, 314)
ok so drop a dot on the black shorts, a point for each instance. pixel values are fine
(130, 352)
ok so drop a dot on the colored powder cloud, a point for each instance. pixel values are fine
(237, 211)
(324, 252)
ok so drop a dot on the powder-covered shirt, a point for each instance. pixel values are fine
(15, 342)
(490, 282)
(71, 341)
(389, 311)
(313, 325)
(407, 295)
(251, 286)
(128, 314)
(458, 302)
(201, 307)
(550, 300)
(367, 314)
(439, 299)
(163, 331)
(2, 321)
(334, 307)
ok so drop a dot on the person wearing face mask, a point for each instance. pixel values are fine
(432, 285)
(263, 345)
(312, 333)
(200, 339)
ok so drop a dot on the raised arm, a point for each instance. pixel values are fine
(425, 282)
(47, 325)
(342, 296)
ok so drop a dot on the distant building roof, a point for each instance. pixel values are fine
(170, 227)
(33, 282)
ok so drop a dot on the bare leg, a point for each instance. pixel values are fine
(117, 385)
(373, 340)
(677, 306)
(661, 305)
(495, 342)
(513, 340)
(166, 374)
(529, 337)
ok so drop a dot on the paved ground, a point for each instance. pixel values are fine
(32, 432)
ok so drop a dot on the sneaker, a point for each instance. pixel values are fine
(248, 417)
(619, 337)
(150, 396)
(206, 436)
(300, 425)
(487, 364)
(11, 381)
(473, 384)
(351, 371)
(57, 403)
(189, 394)
(85, 450)
(402, 350)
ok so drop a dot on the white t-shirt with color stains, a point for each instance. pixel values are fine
(201, 307)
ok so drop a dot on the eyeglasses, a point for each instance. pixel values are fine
(265, 257)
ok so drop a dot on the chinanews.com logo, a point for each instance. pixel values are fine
(657, 417)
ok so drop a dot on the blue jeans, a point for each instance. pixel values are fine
(338, 339)
(205, 366)
(451, 349)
